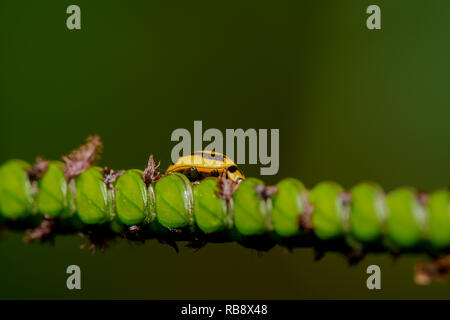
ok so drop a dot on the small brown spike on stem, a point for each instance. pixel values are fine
(110, 176)
(45, 231)
(226, 188)
(151, 173)
(438, 270)
(39, 168)
(81, 159)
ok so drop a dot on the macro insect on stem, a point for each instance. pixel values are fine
(202, 199)
(204, 163)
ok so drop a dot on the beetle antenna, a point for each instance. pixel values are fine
(265, 192)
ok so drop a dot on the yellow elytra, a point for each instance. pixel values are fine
(201, 164)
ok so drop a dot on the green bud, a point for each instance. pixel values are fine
(93, 199)
(55, 196)
(210, 211)
(251, 214)
(439, 218)
(406, 220)
(174, 201)
(328, 216)
(16, 193)
(368, 212)
(131, 198)
(287, 207)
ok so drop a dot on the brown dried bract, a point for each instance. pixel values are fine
(82, 158)
(45, 231)
(438, 270)
(265, 192)
(39, 168)
(306, 217)
(110, 176)
(151, 173)
(346, 198)
(423, 197)
(226, 188)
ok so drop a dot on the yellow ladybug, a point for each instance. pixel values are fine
(204, 163)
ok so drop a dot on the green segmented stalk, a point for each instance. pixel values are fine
(400, 220)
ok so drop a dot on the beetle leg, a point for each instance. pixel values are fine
(215, 173)
(193, 174)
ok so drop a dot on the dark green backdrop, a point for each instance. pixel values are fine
(351, 104)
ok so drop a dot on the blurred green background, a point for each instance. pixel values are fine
(351, 104)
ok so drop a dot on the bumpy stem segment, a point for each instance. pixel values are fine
(74, 196)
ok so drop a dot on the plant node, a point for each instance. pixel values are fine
(39, 168)
(151, 173)
(110, 176)
(437, 270)
(346, 198)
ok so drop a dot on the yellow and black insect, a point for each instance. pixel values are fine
(202, 164)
